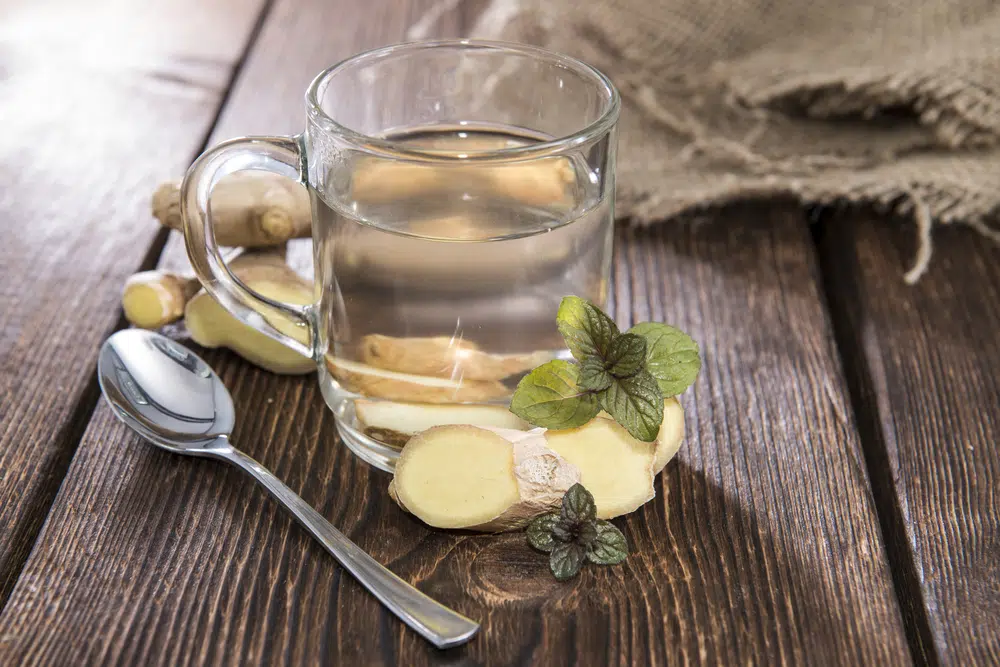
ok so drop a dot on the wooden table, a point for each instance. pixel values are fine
(836, 501)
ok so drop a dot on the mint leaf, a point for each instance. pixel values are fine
(609, 547)
(540, 532)
(551, 396)
(566, 559)
(671, 356)
(636, 403)
(582, 533)
(588, 332)
(575, 535)
(594, 376)
(578, 505)
(626, 356)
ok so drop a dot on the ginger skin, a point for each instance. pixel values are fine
(250, 209)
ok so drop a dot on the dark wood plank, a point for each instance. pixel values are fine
(762, 547)
(99, 101)
(923, 362)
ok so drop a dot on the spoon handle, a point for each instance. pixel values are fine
(438, 624)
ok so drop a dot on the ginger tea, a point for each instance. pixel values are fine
(442, 279)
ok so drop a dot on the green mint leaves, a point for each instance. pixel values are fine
(671, 356)
(636, 403)
(554, 398)
(627, 355)
(575, 535)
(626, 374)
(588, 332)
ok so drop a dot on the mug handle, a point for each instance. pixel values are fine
(281, 155)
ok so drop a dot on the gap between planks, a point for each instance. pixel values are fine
(861, 392)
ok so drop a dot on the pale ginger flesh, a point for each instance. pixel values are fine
(444, 357)
(249, 209)
(395, 423)
(152, 299)
(394, 386)
(471, 478)
(615, 467)
(210, 325)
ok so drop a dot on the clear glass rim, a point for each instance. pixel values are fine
(398, 150)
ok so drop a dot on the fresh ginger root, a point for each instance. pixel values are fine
(544, 182)
(472, 478)
(445, 357)
(456, 477)
(395, 423)
(250, 209)
(210, 325)
(152, 299)
(395, 386)
(615, 467)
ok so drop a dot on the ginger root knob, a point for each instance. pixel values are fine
(250, 209)
(152, 299)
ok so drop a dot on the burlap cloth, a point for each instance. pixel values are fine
(894, 103)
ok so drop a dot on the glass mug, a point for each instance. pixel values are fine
(459, 190)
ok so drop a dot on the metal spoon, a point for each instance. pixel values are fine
(170, 397)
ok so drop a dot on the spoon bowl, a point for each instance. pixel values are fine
(173, 399)
(165, 392)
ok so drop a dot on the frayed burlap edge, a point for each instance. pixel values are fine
(926, 204)
(960, 118)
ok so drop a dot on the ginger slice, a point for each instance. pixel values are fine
(210, 325)
(468, 477)
(615, 467)
(442, 356)
(544, 182)
(249, 209)
(395, 386)
(395, 423)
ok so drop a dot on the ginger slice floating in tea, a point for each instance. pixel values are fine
(444, 357)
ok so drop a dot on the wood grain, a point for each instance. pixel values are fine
(99, 101)
(923, 363)
(761, 548)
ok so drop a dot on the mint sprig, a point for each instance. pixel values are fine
(625, 374)
(575, 534)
